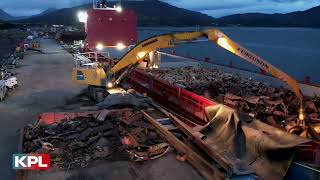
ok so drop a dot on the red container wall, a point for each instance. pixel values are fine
(181, 101)
(109, 27)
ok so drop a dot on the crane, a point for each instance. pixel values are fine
(97, 76)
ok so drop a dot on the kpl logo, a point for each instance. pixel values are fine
(31, 161)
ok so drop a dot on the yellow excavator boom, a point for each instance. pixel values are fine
(139, 52)
(225, 42)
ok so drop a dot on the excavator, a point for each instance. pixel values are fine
(106, 77)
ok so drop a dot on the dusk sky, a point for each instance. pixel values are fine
(215, 8)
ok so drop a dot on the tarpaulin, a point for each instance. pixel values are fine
(247, 145)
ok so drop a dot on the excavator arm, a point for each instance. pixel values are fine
(139, 52)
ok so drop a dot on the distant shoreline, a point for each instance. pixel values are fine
(9, 25)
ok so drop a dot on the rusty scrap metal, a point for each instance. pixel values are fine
(274, 106)
(142, 141)
(81, 140)
(73, 143)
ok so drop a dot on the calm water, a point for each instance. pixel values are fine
(294, 50)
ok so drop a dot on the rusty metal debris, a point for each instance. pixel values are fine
(81, 140)
(275, 106)
(140, 137)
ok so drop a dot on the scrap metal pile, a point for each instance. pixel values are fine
(276, 106)
(79, 141)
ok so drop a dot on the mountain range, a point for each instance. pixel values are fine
(159, 13)
(150, 13)
(308, 18)
(4, 16)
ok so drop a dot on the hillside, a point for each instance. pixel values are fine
(308, 18)
(47, 11)
(150, 13)
(5, 16)
(158, 13)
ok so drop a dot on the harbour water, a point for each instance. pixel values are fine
(294, 50)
